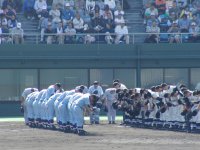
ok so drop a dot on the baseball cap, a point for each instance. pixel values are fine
(19, 25)
(95, 82)
(193, 24)
(44, 7)
(67, 4)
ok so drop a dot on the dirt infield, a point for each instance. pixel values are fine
(17, 136)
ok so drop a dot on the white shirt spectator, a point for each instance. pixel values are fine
(78, 23)
(121, 30)
(119, 20)
(55, 13)
(117, 12)
(110, 3)
(39, 5)
(90, 4)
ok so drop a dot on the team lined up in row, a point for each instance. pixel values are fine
(163, 106)
(69, 107)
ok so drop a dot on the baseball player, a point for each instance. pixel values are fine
(121, 85)
(29, 104)
(49, 105)
(95, 89)
(51, 90)
(85, 102)
(25, 93)
(80, 90)
(63, 113)
(110, 96)
(36, 107)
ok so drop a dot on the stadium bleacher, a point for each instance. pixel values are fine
(175, 21)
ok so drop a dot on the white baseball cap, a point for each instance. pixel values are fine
(19, 25)
(193, 24)
(67, 4)
(44, 7)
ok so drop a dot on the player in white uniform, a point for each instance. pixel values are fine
(51, 90)
(36, 107)
(110, 96)
(121, 85)
(50, 109)
(95, 89)
(29, 104)
(85, 102)
(25, 93)
(63, 111)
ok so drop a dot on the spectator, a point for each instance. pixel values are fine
(119, 19)
(154, 31)
(39, 6)
(49, 33)
(174, 9)
(80, 4)
(67, 14)
(181, 3)
(43, 14)
(90, 5)
(96, 10)
(152, 19)
(78, 23)
(110, 3)
(174, 30)
(186, 11)
(44, 25)
(195, 19)
(121, 32)
(107, 12)
(100, 3)
(88, 39)
(28, 9)
(109, 29)
(9, 12)
(97, 23)
(197, 7)
(194, 33)
(5, 38)
(161, 5)
(151, 10)
(163, 20)
(12, 22)
(18, 34)
(119, 11)
(184, 24)
(59, 33)
(55, 13)
(70, 34)
(172, 18)
(6, 3)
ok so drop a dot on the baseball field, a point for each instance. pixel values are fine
(14, 135)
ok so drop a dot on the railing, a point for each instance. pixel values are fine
(134, 38)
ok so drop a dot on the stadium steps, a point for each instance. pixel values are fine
(134, 20)
(30, 29)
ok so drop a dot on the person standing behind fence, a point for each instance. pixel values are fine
(110, 96)
(18, 34)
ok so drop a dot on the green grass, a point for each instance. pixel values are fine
(20, 119)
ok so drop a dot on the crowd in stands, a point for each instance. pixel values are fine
(175, 17)
(78, 21)
(10, 28)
